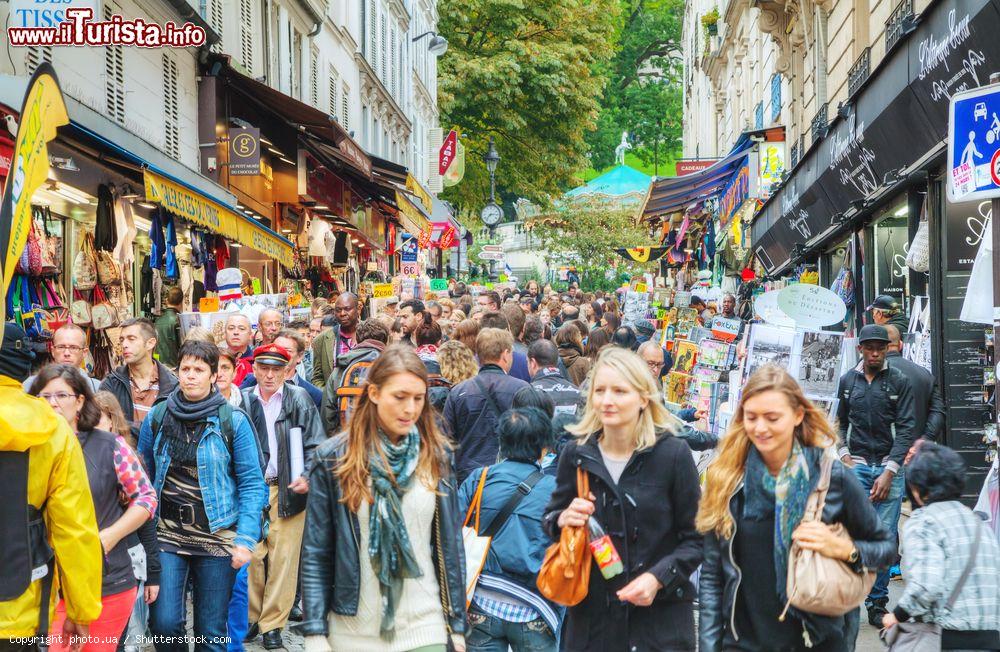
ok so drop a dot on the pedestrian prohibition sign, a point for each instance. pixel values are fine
(974, 144)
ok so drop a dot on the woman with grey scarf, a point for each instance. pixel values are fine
(382, 561)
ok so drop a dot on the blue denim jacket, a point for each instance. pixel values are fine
(228, 500)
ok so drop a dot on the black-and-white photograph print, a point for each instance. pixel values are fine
(819, 364)
(769, 345)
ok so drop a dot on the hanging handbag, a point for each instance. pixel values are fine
(79, 310)
(52, 252)
(822, 585)
(85, 265)
(109, 270)
(476, 546)
(926, 637)
(103, 314)
(564, 577)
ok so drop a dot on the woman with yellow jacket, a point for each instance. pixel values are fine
(56, 478)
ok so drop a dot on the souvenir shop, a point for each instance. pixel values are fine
(866, 207)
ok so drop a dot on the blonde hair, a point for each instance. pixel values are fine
(457, 362)
(654, 420)
(491, 344)
(726, 471)
(200, 334)
(109, 407)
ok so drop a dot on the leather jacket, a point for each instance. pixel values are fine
(846, 503)
(331, 571)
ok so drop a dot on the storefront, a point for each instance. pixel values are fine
(855, 201)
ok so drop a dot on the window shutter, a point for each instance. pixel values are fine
(114, 73)
(171, 117)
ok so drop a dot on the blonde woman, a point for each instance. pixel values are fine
(755, 494)
(457, 362)
(644, 493)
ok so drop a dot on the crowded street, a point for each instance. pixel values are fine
(493, 326)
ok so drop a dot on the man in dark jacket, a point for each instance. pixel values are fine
(876, 418)
(141, 381)
(288, 429)
(337, 341)
(474, 406)
(168, 328)
(887, 310)
(372, 338)
(929, 412)
(543, 363)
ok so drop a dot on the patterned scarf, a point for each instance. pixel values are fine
(184, 423)
(389, 544)
(786, 495)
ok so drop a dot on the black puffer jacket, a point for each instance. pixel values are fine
(650, 515)
(846, 503)
(331, 566)
(119, 383)
(876, 419)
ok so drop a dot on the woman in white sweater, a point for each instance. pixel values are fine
(382, 558)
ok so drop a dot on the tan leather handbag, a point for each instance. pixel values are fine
(822, 585)
(564, 577)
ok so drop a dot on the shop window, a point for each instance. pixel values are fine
(114, 73)
(890, 242)
(171, 120)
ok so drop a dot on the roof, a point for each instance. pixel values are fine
(619, 181)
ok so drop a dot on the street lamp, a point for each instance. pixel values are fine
(492, 213)
(438, 44)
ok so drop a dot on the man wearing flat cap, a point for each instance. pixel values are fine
(888, 310)
(289, 429)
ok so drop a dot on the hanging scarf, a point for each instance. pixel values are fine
(785, 495)
(389, 543)
(184, 422)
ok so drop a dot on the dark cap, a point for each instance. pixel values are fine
(272, 355)
(16, 353)
(884, 302)
(873, 333)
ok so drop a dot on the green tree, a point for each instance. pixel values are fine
(530, 74)
(642, 95)
(585, 233)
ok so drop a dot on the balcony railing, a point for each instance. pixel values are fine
(901, 22)
(859, 72)
(820, 124)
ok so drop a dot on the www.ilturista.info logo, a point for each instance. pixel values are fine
(79, 29)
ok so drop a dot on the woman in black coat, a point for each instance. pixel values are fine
(756, 493)
(644, 493)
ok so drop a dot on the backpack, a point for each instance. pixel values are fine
(27, 555)
(350, 389)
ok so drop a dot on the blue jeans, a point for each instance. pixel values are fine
(888, 512)
(213, 586)
(239, 607)
(492, 634)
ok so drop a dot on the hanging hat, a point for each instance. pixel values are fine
(229, 281)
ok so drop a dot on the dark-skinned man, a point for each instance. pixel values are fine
(335, 342)
(876, 420)
(929, 412)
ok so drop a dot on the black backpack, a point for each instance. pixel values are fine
(27, 555)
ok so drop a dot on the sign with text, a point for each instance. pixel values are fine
(382, 290)
(408, 250)
(726, 329)
(410, 269)
(439, 285)
(448, 151)
(208, 304)
(811, 306)
(690, 167)
(244, 151)
(974, 144)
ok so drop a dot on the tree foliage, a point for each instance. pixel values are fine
(586, 233)
(528, 73)
(643, 91)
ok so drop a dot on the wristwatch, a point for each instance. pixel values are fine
(854, 556)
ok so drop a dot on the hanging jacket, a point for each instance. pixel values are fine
(105, 232)
(157, 247)
(57, 484)
(170, 268)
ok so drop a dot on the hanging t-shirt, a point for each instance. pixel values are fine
(170, 269)
(319, 230)
(221, 252)
(158, 246)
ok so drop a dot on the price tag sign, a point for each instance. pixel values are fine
(208, 304)
(439, 284)
(382, 290)
(640, 287)
(410, 269)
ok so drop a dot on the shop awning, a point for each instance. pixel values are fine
(201, 210)
(388, 172)
(412, 216)
(195, 197)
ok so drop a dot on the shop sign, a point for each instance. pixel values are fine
(324, 186)
(448, 151)
(424, 239)
(355, 155)
(382, 290)
(47, 13)
(418, 191)
(215, 217)
(448, 238)
(244, 151)
(439, 285)
(974, 144)
(965, 226)
(410, 269)
(811, 306)
(771, 166)
(726, 329)
(734, 195)
(690, 167)
(408, 249)
(766, 307)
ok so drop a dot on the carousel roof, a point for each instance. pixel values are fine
(620, 181)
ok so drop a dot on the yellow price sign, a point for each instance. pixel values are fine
(382, 290)
(208, 304)
(640, 288)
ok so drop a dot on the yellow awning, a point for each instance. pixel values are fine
(425, 198)
(414, 219)
(199, 209)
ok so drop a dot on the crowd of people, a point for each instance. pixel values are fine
(319, 476)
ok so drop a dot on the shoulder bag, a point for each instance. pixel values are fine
(564, 577)
(926, 637)
(822, 585)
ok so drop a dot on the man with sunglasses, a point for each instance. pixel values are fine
(69, 346)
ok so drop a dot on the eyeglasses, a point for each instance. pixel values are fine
(72, 348)
(59, 397)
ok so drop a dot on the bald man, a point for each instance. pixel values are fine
(69, 346)
(336, 341)
(239, 337)
(929, 417)
(269, 323)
